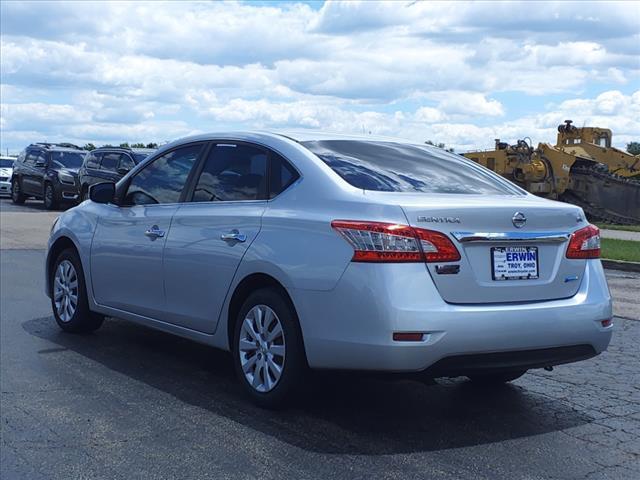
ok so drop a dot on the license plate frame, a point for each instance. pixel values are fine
(502, 269)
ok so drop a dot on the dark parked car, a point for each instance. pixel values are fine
(47, 171)
(109, 164)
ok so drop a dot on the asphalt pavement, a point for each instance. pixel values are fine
(127, 402)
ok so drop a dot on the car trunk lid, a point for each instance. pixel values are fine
(497, 257)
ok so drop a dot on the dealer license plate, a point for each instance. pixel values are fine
(514, 263)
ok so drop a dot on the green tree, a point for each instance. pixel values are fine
(124, 145)
(633, 148)
(89, 147)
(137, 145)
(440, 145)
(152, 145)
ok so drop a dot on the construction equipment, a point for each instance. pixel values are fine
(581, 168)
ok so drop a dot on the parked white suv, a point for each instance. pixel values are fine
(6, 171)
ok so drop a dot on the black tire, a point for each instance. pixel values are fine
(295, 363)
(49, 197)
(83, 320)
(17, 196)
(496, 378)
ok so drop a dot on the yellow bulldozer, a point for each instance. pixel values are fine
(581, 168)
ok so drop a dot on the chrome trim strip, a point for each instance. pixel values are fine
(484, 237)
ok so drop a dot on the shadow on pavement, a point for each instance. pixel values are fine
(342, 414)
(30, 205)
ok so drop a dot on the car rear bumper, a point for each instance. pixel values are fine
(352, 326)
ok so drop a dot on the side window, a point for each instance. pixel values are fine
(93, 160)
(163, 180)
(110, 161)
(30, 160)
(126, 162)
(232, 173)
(282, 175)
(41, 159)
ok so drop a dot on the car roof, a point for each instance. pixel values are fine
(299, 136)
(316, 135)
(58, 147)
(126, 149)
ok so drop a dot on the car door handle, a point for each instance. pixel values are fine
(154, 232)
(234, 235)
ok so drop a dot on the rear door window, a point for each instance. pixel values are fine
(397, 167)
(30, 159)
(232, 172)
(126, 162)
(110, 161)
(93, 160)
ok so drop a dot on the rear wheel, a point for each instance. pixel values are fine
(50, 202)
(496, 378)
(69, 295)
(17, 196)
(268, 350)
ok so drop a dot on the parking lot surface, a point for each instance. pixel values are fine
(129, 402)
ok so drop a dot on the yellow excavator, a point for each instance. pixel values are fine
(581, 168)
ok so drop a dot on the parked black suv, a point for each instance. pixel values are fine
(47, 171)
(109, 164)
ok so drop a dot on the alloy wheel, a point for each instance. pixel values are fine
(262, 348)
(65, 290)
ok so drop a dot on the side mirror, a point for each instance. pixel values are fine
(122, 170)
(102, 192)
(40, 163)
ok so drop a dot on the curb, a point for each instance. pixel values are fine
(620, 265)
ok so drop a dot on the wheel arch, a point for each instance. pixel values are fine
(62, 243)
(243, 289)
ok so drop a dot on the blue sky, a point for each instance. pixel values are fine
(452, 72)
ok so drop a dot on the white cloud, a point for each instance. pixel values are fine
(460, 73)
(469, 104)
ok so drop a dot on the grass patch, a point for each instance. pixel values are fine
(626, 228)
(626, 250)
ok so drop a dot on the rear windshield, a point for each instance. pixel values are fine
(6, 163)
(68, 159)
(396, 167)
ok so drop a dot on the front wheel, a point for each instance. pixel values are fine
(17, 196)
(50, 202)
(268, 351)
(69, 295)
(496, 378)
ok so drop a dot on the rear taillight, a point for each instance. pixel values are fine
(389, 242)
(584, 243)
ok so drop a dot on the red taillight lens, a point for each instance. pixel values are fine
(389, 242)
(436, 246)
(584, 243)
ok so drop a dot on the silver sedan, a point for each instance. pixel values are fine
(334, 252)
